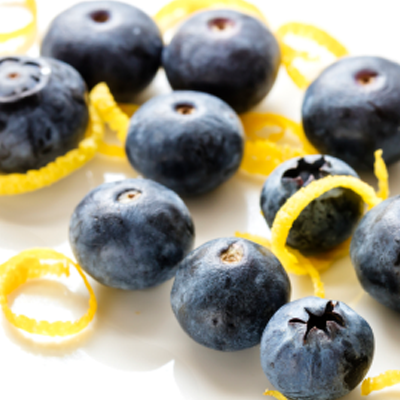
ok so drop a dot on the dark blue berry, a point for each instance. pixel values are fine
(107, 41)
(226, 291)
(225, 53)
(325, 222)
(131, 234)
(316, 349)
(43, 111)
(353, 109)
(190, 142)
(375, 252)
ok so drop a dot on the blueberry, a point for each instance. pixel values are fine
(353, 109)
(43, 111)
(107, 41)
(325, 222)
(375, 252)
(226, 291)
(131, 234)
(225, 53)
(190, 142)
(316, 349)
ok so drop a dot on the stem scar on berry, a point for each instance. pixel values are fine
(221, 24)
(100, 16)
(233, 254)
(129, 196)
(185, 109)
(306, 172)
(319, 321)
(366, 77)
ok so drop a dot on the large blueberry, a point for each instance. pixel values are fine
(226, 291)
(43, 111)
(316, 349)
(190, 142)
(353, 109)
(131, 234)
(325, 222)
(225, 53)
(375, 252)
(107, 41)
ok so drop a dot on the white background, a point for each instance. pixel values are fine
(135, 349)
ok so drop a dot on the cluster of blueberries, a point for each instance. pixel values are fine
(229, 294)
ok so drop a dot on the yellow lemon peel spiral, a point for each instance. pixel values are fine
(274, 393)
(23, 37)
(388, 378)
(33, 264)
(292, 260)
(17, 183)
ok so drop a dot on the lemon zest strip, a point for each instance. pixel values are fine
(17, 183)
(111, 114)
(27, 265)
(384, 380)
(178, 10)
(313, 33)
(28, 32)
(382, 175)
(291, 260)
(262, 156)
(274, 393)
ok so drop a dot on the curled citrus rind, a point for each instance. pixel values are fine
(292, 261)
(289, 54)
(388, 378)
(111, 114)
(274, 393)
(32, 264)
(178, 10)
(17, 183)
(382, 175)
(262, 156)
(25, 36)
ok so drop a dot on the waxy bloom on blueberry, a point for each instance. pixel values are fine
(131, 234)
(327, 221)
(316, 349)
(226, 291)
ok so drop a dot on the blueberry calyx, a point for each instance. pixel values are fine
(306, 172)
(21, 77)
(320, 321)
(233, 254)
(129, 196)
(366, 77)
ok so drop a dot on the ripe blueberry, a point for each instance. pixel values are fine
(226, 291)
(131, 234)
(107, 41)
(316, 349)
(325, 222)
(43, 111)
(375, 252)
(190, 142)
(353, 109)
(225, 53)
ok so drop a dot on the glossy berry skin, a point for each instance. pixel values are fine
(226, 291)
(375, 252)
(316, 349)
(225, 53)
(131, 234)
(328, 220)
(188, 141)
(107, 41)
(353, 109)
(43, 111)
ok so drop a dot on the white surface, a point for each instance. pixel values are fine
(135, 349)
